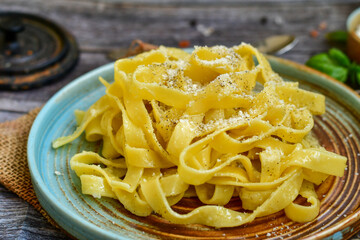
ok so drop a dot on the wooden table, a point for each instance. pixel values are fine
(100, 26)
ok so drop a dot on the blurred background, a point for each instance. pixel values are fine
(104, 29)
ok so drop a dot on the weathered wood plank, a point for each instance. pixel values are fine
(101, 26)
(19, 220)
(35, 226)
(12, 212)
(110, 25)
(14, 105)
(8, 116)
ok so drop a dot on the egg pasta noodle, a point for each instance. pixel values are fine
(214, 124)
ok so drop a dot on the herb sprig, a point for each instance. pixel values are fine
(336, 64)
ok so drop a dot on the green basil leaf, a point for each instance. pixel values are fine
(321, 57)
(353, 81)
(357, 73)
(337, 72)
(339, 57)
(337, 36)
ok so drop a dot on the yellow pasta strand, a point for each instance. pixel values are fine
(301, 213)
(214, 124)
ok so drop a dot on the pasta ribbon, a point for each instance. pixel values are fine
(215, 124)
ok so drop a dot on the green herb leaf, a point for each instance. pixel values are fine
(353, 79)
(357, 74)
(337, 36)
(339, 57)
(337, 72)
(321, 57)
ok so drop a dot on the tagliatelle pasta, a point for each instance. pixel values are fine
(213, 124)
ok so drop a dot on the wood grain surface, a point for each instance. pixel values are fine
(101, 26)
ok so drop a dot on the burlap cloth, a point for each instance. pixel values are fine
(14, 170)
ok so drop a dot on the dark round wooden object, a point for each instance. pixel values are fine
(33, 51)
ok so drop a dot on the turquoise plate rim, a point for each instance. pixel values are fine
(77, 227)
(46, 199)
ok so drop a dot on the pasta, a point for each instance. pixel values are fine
(213, 124)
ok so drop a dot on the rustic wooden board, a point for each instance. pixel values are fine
(100, 26)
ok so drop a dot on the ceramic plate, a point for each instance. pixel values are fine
(84, 217)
